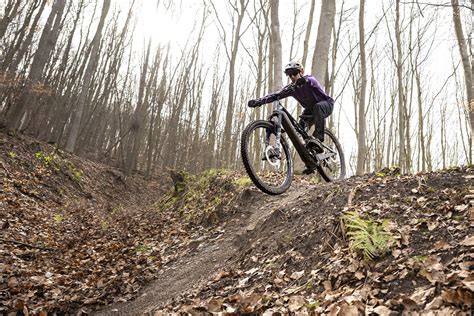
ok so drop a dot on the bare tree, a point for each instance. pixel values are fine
(46, 45)
(91, 65)
(323, 41)
(467, 62)
(402, 160)
(361, 142)
(239, 8)
(276, 45)
(308, 33)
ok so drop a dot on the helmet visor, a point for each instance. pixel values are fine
(292, 71)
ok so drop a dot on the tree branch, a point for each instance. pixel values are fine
(26, 245)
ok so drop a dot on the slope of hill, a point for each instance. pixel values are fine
(76, 235)
(298, 257)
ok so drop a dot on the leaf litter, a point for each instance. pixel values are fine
(71, 244)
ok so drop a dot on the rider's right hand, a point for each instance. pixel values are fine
(254, 103)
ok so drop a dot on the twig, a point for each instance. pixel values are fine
(26, 245)
(351, 195)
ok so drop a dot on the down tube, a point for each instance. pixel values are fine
(299, 145)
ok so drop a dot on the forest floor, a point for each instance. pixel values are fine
(78, 237)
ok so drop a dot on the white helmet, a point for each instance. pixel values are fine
(293, 66)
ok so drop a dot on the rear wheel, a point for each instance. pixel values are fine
(332, 165)
(271, 171)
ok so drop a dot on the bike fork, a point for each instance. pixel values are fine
(277, 121)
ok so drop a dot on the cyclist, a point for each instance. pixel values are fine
(309, 93)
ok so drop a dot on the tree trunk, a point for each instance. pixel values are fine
(11, 10)
(91, 66)
(229, 117)
(308, 33)
(46, 45)
(326, 23)
(468, 66)
(401, 95)
(361, 142)
(276, 45)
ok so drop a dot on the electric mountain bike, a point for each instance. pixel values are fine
(267, 155)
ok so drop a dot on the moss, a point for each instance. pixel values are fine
(58, 218)
(243, 182)
(203, 195)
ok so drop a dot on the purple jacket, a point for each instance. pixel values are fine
(307, 94)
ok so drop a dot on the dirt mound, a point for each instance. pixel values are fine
(297, 258)
(76, 235)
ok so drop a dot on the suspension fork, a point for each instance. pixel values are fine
(276, 118)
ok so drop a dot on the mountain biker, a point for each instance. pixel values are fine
(309, 93)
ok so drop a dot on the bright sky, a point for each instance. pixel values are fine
(175, 26)
(165, 26)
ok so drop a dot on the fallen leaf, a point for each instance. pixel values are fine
(432, 225)
(214, 305)
(296, 302)
(382, 310)
(348, 310)
(421, 200)
(469, 241)
(251, 271)
(469, 285)
(390, 277)
(441, 245)
(396, 253)
(235, 298)
(327, 285)
(461, 207)
(221, 275)
(420, 295)
(12, 282)
(297, 275)
(458, 297)
(436, 303)
(359, 275)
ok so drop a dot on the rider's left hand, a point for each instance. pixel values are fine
(254, 103)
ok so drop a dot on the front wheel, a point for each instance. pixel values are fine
(332, 165)
(269, 166)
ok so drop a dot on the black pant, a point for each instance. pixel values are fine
(319, 111)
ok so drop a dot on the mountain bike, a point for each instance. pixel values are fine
(267, 155)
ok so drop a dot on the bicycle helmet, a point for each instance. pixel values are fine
(293, 67)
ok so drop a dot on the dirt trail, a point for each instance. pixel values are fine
(207, 259)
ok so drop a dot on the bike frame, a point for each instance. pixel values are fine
(281, 117)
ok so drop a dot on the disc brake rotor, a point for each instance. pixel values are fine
(271, 159)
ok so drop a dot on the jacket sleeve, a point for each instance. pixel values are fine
(283, 93)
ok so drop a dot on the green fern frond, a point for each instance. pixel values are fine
(366, 235)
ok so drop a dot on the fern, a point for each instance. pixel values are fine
(367, 236)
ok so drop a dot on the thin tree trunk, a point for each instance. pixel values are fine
(231, 87)
(91, 66)
(46, 45)
(11, 10)
(468, 66)
(361, 142)
(308, 33)
(321, 52)
(276, 45)
(401, 95)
